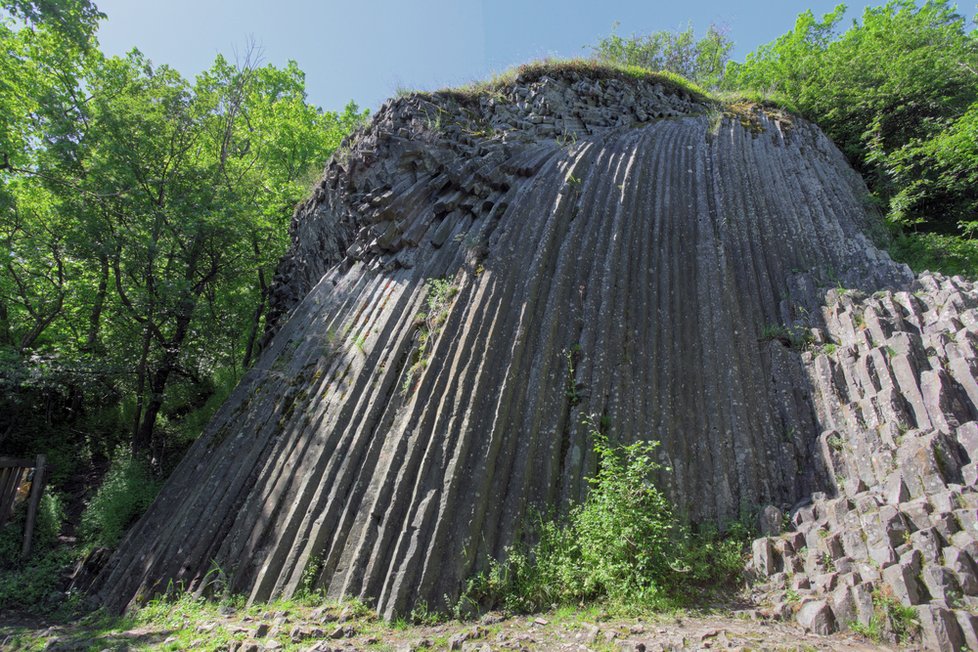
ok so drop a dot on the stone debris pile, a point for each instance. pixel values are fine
(895, 389)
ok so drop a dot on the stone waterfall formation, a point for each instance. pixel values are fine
(478, 272)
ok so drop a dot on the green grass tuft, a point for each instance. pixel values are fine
(531, 72)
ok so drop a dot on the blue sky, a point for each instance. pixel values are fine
(365, 50)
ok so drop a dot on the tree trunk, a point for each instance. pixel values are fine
(156, 388)
(259, 310)
(251, 349)
(95, 319)
(140, 444)
(6, 337)
(161, 376)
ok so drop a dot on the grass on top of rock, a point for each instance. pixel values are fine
(738, 102)
(528, 73)
(624, 546)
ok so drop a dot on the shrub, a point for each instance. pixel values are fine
(50, 515)
(623, 544)
(679, 53)
(945, 253)
(127, 490)
(27, 584)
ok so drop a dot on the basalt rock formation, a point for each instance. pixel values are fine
(894, 388)
(478, 272)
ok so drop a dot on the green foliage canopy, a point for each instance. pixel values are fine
(141, 219)
(702, 61)
(896, 91)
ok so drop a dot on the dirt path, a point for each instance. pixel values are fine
(335, 628)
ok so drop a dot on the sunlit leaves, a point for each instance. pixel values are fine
(143, 214)
(892, 91)
(702, 60)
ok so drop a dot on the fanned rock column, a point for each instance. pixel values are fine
(475, 275)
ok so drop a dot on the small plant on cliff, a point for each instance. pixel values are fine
(890, 620)
(572, 355)
(624, 544)
(440, 294)
(792, 337)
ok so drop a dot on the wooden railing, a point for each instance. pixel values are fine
(14, 474)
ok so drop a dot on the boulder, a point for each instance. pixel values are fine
(817, 617)
(460, 294)
(903, 580)
(939, 629)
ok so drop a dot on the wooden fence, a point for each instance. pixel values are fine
(14, 474)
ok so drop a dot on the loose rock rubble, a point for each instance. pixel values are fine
(562, 633)
(896, 392)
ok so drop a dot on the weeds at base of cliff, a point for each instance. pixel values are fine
(422, 614)
(623, 546)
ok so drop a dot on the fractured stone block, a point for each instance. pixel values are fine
(964, 569)
(968, 622)
(817, 617)
(765, 560)
(941, 583)
(902, 578)
(929, 542)
(939, 629)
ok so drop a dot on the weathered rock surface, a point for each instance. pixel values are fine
(896, 393)
(606, 247)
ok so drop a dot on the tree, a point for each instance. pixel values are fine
(702, 61)
(890, 91)
(73, 20)
(142, 217)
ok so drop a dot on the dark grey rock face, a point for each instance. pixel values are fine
(474, 277)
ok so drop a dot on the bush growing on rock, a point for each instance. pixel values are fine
(624, 544)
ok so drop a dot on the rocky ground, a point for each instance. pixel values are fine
(189, 625)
